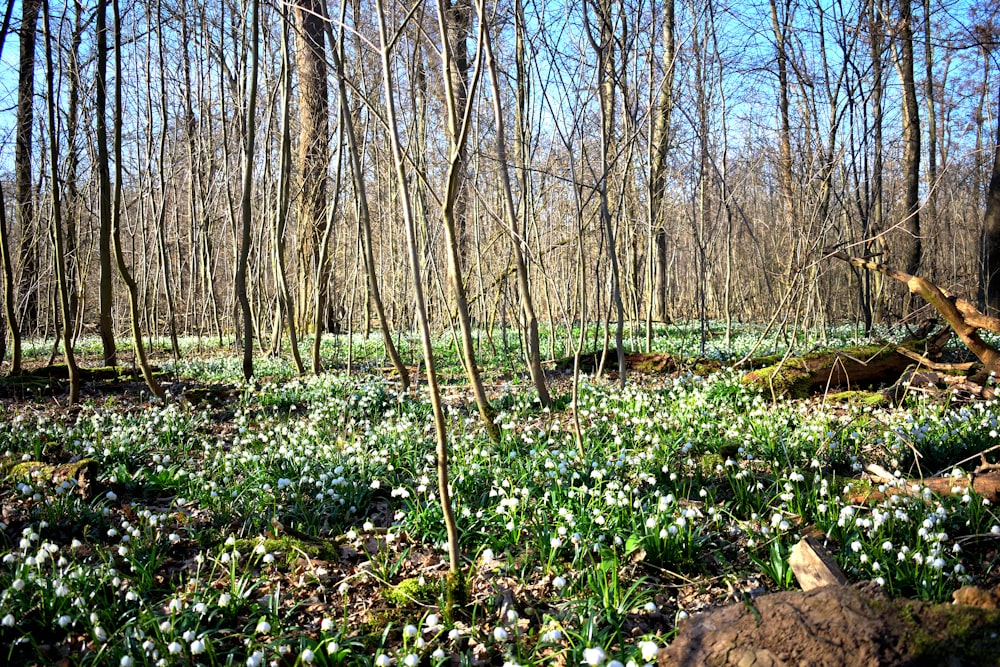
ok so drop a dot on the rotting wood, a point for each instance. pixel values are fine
(813, 566)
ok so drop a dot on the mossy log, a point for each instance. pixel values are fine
(854, 367)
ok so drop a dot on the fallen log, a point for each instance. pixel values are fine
(985, 481)
(962, 316)
(855, 367)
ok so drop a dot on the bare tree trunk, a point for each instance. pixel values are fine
(246, 212)
(314, 140)
(991, 226)
(130, 284)
(604, 44)
(459, 121)
(517, 240)
(364, 214)
(440, 429)
(285, 303)
(23, 195)
(659, 148)
(57, 232)
(106, 292)
(911, 140)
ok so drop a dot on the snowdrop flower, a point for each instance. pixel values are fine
(126, 661)
(306, 655)
(649, 651)
(431, 621)
(410, 631)
(263, 627)
(559, 582)
(197, 647)
(99, 633)
(594, 656)
(438, 654)
(382, 660)
(650, 607)
(256, 660)
(175, 648)
(616, 663)
(454, 634)
(499, 633)
(411, 660)
(8, 621)
(224, 600)
(326, 625)
(855, 546)
(64, 621)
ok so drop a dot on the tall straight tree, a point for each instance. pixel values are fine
(246, 209)
(517, 239)
(602, 40)
(364, 212)
(23, 195)
(911, 140)
(106, 292)
(131, 286)
(659, 148)
(10, 307)
(458, 119)
(59, 258)
(314, 140)
(416, 275)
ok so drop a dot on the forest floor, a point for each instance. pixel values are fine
(295, 521)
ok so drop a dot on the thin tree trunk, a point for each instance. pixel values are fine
(130, 284)
(364, 214)
(440, 429)
(246, 212)
(106, 292)
(459, 121)
(527, 304)
(285, 303)
(57, 232)
(23, 194)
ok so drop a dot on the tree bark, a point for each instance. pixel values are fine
(527, 304)
(911, 141)
(57, 231)
(246, 212)
(314, 140)
(106, 291)
(23, 195)
(991, 228)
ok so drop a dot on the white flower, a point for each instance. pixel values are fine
(188, 636)
(559, 582)
(64, 620)
(619, 663)
(263, 627)
(99, 633)
(649, 651)
(17, 584)
(256, 659)
(126, 661)
(224, 600)
(8, 621)
(307, 656)
(410, 631)
(326, 625)
(855, 546)
(197, 646)
(382, 660)
(411, 660)
(431, 621)
(499, 633)
(438, 654)
(593, 656)
(175, 648)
